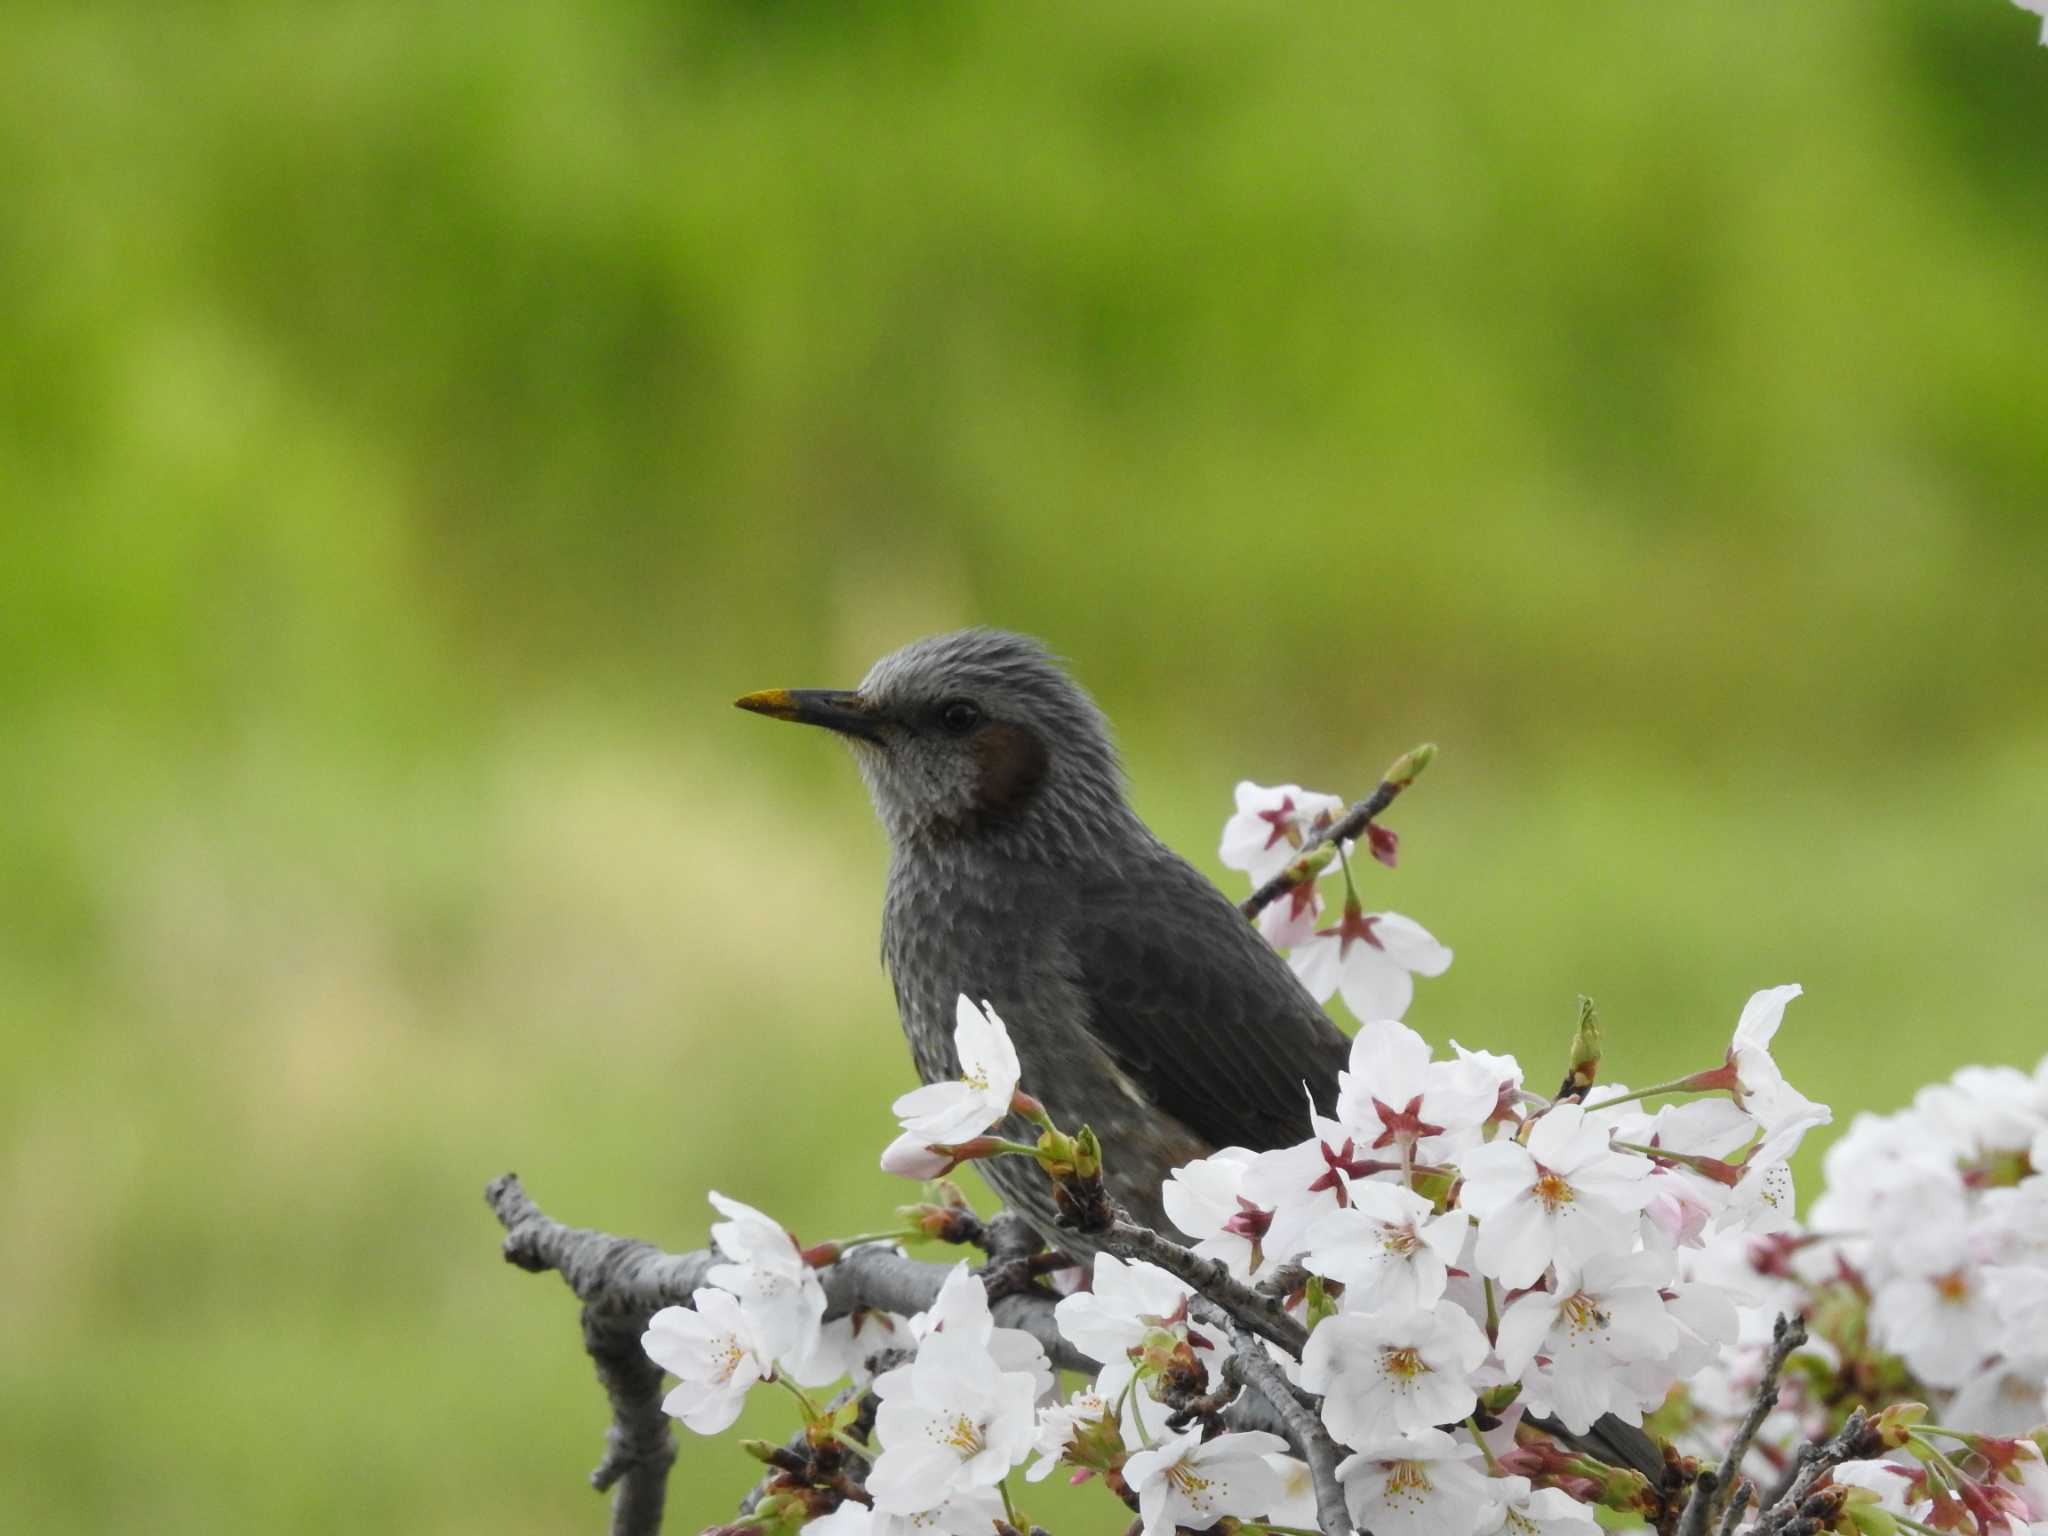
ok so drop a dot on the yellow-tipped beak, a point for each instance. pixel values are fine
(847, 713)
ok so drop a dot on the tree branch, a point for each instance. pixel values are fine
(1263, 1315)
(1251, 1366)
(1787, 1334)
(622, 1282)
(1857, 1441)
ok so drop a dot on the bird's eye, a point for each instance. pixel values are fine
(959, 716)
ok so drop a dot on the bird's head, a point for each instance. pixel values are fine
(978, 735)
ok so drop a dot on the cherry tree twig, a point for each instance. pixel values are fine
(1787, 1334)
(1251, 1366)
(1858, 1440)
(1345, 828)
(1263, 1315)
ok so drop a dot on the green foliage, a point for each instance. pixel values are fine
(418, 421)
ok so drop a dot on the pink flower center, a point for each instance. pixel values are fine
(1285, 827)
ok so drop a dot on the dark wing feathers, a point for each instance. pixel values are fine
(1198, 1009)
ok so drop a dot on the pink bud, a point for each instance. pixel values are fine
(1384, 843)
(909, 1158)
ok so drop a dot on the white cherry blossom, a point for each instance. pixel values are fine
(779, 1292)
(1288, 1188)
(1385, 1372)
(1761, 1088)
(966, 1514)
(1186, 1481)
(1579, 1350)
(961, 1310)
(1419, 1484)
(959, 1110)
(1565, 1197)
(712, 1350)
(950, 1421)
(1271, 825)
(1390, 1243)
(1205, 1199)
(1128, 1301)
(1525, 1510)
(1984, 1110)
(1944, 1325)
(911, 1157)
(1295, 1503)
(1292, 917)
(1083, 1413)
(1371, 959)
(1898, 1487)
(1401, 1105)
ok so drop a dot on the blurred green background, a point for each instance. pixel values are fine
(418, 421)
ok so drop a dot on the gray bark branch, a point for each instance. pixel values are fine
(1787, 1334)
(622, 1282)
(1253, 1367)
(1857, 1441)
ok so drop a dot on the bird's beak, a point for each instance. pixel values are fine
(847, 713)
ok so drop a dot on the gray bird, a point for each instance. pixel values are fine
(1140, 1000)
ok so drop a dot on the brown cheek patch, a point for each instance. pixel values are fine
(1012, 763)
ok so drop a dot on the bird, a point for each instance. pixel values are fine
(1139, 999)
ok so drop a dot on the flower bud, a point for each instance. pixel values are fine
(911, 1158)
(1868, 1516)
(1586, 1045)
(1384, 844)
(1894, 1426)
(1407, 768)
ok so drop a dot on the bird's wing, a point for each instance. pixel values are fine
(1198, 1009)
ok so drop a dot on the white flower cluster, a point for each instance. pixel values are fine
(1923, 1273)
(760, 1318)
(1474, 1250)
(1465, 1257)
(1482, 1245)
(1944, 1211)
(1370, 958)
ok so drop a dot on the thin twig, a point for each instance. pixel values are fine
(1857, 1441)
(1345, 828)
(1732, 1515)
(1787, 1334)
(1251, 1366)
(1263, 1315)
